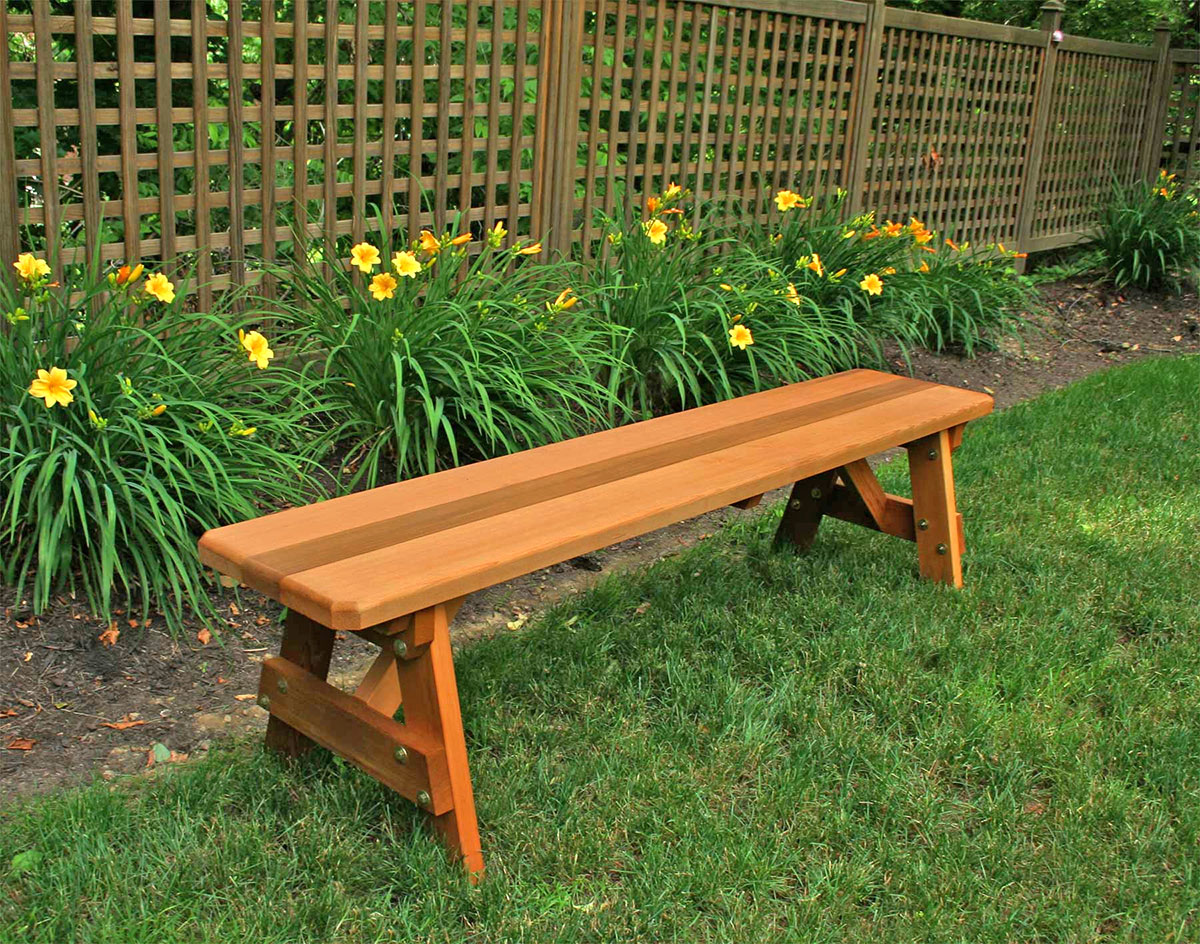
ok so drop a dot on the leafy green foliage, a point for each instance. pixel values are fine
(890, 279)
(157, 428)
(460, 360)
(687, 328)
(1150, 234)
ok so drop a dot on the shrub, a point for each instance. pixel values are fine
(1150, 234)
(892, 279)
(129, 427)
(424, 359)
(687, 327)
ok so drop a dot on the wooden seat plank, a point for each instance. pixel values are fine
(356, 591)
(302, 538)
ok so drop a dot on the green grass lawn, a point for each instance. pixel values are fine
(741, 745)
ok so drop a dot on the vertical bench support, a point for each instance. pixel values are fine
(939, 541)
(424, 758)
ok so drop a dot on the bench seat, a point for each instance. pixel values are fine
(394, 563)
(355, 562)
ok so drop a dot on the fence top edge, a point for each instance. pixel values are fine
(895, 17)
(851, 11)
(1107, 47)
(1186, 56)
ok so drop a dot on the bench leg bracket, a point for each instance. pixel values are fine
(853, 493)
(423, 757)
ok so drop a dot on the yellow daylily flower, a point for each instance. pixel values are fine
(365, 256)
(429, 243)
(461, 240)
(788, 200)
(127, 275)
(893, 229)
(29, 267)
(815, 264)
(872, 284)
(405, 263)
(673, 190)
(53, 386)
(257, 347)
(161, 288)
(740, 336)
(564, 301)
(890, 270)
(532, 250)
(792, 295)
(656, 231)
(923, 267)
(383, 286)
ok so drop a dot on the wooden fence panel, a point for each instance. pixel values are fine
(320, 115)
(727, 100)
(951, 130)
(1182, 132)
(1098, 122)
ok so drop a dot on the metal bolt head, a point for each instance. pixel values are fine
(401, 755)
(264, 702)
(423, 798)
(933, 453)
(923, 524)
(400, 647)
(282, 686)
(795, 504)
(941, 549)
(816, 493)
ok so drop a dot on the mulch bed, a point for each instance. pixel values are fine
(72, 706)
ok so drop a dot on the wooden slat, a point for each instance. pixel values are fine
(300, 116)
(237, 157)
(90, 178)
(48, 137)
(330, 162)
(359, 162)
(416, 123)
(203, 221)
(267, 130)
(568, 496)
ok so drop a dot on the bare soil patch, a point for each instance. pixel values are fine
(72, 706)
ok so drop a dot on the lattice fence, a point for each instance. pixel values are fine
(951, 128)
(318, 116)
(1098, 129)
(1183, 106)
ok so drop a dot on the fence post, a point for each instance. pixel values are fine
(9, 242)
(1159, 100)
(1052, 12)
(866, 86)
(559, 64)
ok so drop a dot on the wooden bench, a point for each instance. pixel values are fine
(394, 563)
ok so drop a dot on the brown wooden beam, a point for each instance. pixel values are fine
(353, 730)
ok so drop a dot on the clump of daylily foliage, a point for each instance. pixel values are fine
(1150, 234)
(424, 357)
(129, 427)
(892, 279)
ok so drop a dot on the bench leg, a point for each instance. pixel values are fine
(431, 708)
(938, 529)
(804, 510)
(423, 757)
(308, 645)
